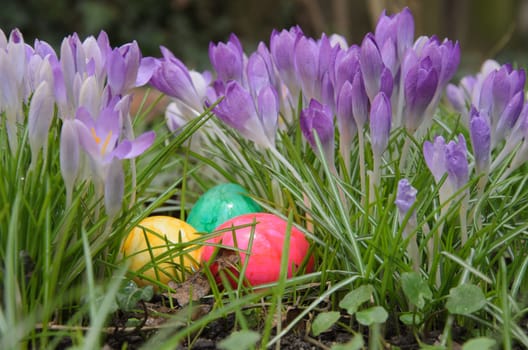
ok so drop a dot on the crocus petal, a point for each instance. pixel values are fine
(380, 123)
(306, 64)
(480, 133)
(227, 59)
(434, 155)
(69, 152)
(268, 110)
(456, 98)
(509, 117)
(257, 72)
(140, 145)
(114, 187)
(457, 164)
(40, 116)
(116, 69)
(405, 197)
(317, 117)
(371, 65)
(360, 100)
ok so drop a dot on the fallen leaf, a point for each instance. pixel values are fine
(193, 289)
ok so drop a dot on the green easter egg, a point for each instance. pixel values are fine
(219, 204)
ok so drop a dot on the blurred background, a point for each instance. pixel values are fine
(485, 28)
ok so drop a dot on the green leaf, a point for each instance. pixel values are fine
(410, 319)
(376, 314)
(324, 321)
(415, 289)
(356, 297)
(130, 294)
(465, 299)
(240, 340)
(482, 343)
(355, 343)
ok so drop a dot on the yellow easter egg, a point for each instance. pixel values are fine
(154, 249)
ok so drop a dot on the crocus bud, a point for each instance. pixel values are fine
(238, 110)
(479, 129)
(360, 102)
(90, 96)
(227, 59)
(371, 65)
(380, 123)
(455, 96)
(282, 51)
(69, 155)
(405, 197)
(345, 66)
(434, 155)
(457, 164)
(420, 85)
(306, 55)
(40, 116)
(173, 78)
(268, 111)
(344, 112)
(318, 118)
(114, 187)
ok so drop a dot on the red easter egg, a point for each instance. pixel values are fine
(265, 256)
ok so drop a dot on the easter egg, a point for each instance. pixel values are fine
(220, 204)
(151, 247)
(264, 260)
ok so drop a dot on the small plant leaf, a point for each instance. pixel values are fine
(130, 294)
(376, 314)
(355, 343)
(482, 343)
(355, 298)
(410, 319)
(324, 321)
(465, 299)
(240, 340)
(416, 289)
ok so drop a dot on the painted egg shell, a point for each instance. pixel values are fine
(264, 261)
(168, 231)
(220, 204)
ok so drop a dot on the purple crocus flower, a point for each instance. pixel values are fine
(457, 163)
(260, 70)
(405, 197)
(318, 118)
(345, 121)
(122, 67)
(40, 115)
(445, 56)
(502, 98)
(420, 84)
(227, 59)
(480, 132)
(450, 159)
(255, 120)
(380, 123)
(69, 155)
(282, 46)
(100, 138)
(360, 102)
(345, 66)
(306, 60)
(372, 65)
(396, 30)
(173, 78)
